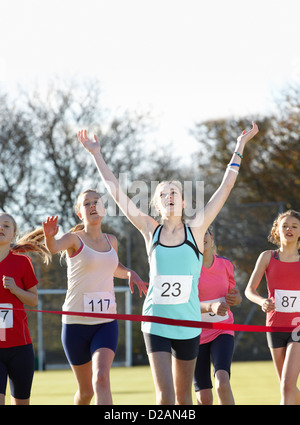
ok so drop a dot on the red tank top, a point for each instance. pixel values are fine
(283, 282)
(13, 323)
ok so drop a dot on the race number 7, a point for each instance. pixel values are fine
(6, 316)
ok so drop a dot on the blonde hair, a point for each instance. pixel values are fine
(80, 226)
(274, 234)
(30, 242)
(154, 199)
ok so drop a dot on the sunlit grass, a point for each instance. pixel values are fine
(253, 383)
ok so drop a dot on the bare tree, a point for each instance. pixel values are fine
(62, 168)
(15, 165)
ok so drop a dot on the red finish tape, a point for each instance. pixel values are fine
(172, 322)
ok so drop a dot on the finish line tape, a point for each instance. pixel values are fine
(172, 322)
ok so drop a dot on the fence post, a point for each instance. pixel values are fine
(40, 335)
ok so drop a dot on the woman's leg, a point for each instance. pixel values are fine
(202, 376)
(161, 368)
(222, 352)
(278, 356)
(2, 399)
(183, 372)
(291, 368)
(76, 343)
(102, 360)
(3, 378)
(20, 371)
(83, 375)
(205, 397)
(20, 401)
(223, 388)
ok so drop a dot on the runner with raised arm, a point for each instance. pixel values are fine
(175, 259)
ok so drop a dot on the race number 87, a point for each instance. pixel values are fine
(287, 301)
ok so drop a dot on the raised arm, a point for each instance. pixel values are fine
(144, 223)
(68, 242)
(206, 216)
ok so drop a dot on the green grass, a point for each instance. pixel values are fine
(253, 383)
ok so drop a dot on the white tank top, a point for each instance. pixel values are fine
(90, 284)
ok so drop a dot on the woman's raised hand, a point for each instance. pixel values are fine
(50, 227)
(248, 135)
(92, 146)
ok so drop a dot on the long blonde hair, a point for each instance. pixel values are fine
(30, 242)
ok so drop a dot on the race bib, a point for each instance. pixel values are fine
(171, 289)
(287, 301)
(6, 316)
(99, 302)
(212, 317)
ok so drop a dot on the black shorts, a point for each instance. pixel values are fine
(181, 349)
(17, 363)
(281, 339)
(81, 341)
(220, 351)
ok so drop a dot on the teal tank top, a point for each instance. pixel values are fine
(173, 286)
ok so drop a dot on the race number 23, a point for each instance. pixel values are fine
(171, 289)
(287, 301)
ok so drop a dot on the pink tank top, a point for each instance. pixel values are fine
(90, 284)
(214, 284)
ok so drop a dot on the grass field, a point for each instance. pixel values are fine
(253, 383)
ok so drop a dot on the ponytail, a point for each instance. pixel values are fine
(77, 228)
(33, 242)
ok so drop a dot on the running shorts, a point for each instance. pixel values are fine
(17, 364)
(81, 341)
(181, 349)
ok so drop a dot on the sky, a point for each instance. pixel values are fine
(184, 60)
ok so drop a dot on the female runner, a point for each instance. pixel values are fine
(175, 258)
(217, 293)
(282, 270)
(18, 286)
(90, 343)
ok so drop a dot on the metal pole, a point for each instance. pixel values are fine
(128, 330)
(40, 335)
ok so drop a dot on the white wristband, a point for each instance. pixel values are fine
(232, 169)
